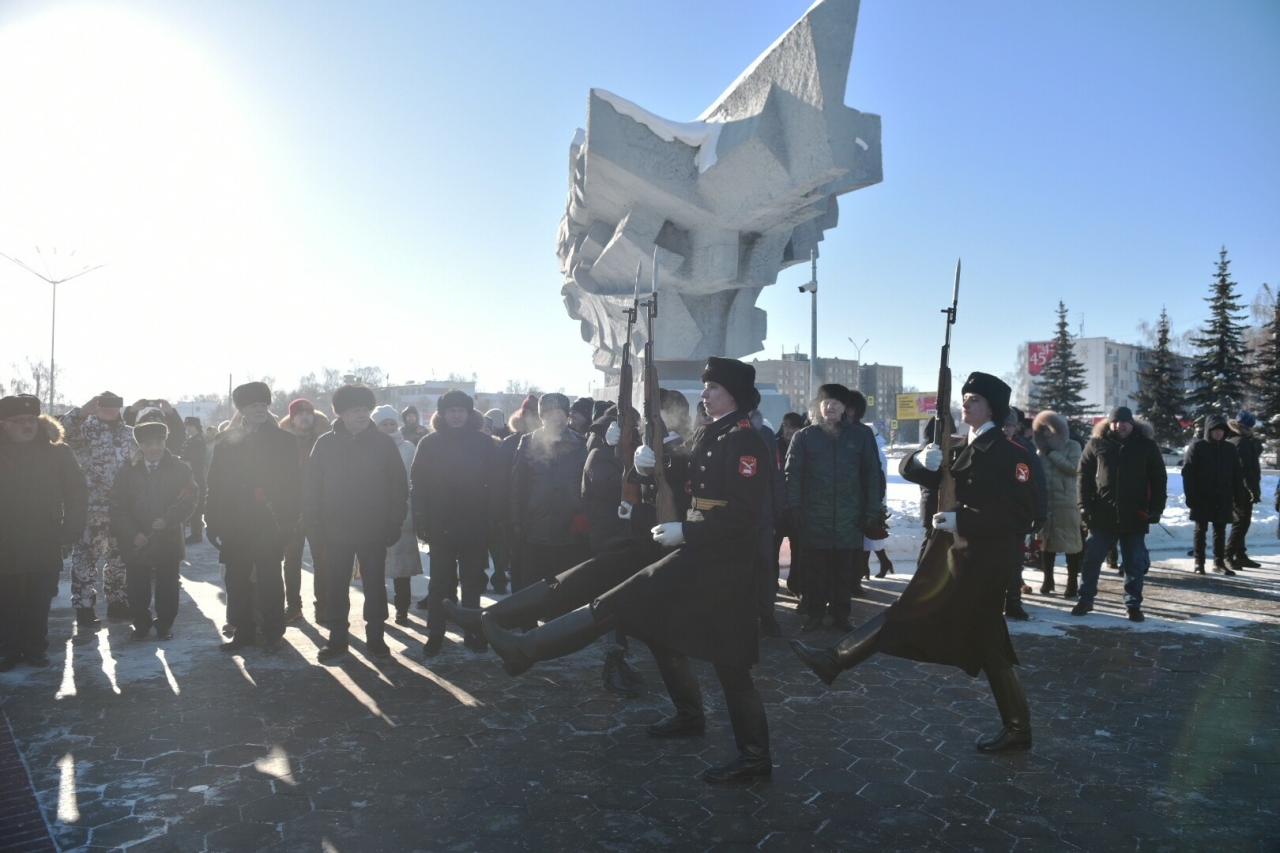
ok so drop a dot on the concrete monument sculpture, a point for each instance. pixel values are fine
(729, 200)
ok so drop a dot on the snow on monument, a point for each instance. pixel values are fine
(729, 200)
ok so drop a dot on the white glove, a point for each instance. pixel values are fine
(644, 458)
(613, 434)
(930, 457)
(669, 533)
(945, 521)
(624, 510)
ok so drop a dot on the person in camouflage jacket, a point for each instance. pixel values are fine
(102, 442)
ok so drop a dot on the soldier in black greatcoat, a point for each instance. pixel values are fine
(952, 612)
(698, 599)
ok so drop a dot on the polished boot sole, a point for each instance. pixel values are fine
(817, 660)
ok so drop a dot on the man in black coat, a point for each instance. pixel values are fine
(413, 431)
(699, 599)
(1013, 429)
(1214, 486)
(952, 610)
(153, 494)
(44, 504)
(1121, 492)
(455, 483)
(252, 507)
(1250, 450)
(355, 499)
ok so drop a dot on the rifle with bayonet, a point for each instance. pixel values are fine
(626, 448)
(655, 429)
(942, 425)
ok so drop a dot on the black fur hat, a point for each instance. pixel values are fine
(736, 377)
(352, 397)
(991, 389)
(250, 393)
(19, 404)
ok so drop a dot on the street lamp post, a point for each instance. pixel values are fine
(812, 287)
(53, 325)
(859, 347)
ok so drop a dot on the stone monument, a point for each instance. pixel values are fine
(728, 200)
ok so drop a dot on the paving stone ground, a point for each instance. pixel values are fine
(1163, 736)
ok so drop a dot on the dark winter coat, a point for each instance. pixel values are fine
(1039, 479)
(776, 496)
(1250, 450)
(601, 497)
(194, 453)
(699, 599)
(545, 496)
(1122, 483)
(952, 611)
(456, 483)
(355, 491)
(834, 477)
(139, 498)
(1213, 478)
(416, 433)
(44, 501)
(306, 439)
(254, 492)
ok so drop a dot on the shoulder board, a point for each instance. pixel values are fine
(744, 424)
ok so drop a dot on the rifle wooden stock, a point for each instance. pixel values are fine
(656, 432)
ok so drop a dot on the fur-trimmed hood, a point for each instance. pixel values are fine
(319, 427)
(1050, 431)
(1140, 427)
(475, 421)
(51, 431)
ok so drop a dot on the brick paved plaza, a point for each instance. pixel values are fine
(1161, 736)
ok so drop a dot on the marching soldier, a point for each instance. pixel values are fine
(699, 598)
(952, 612)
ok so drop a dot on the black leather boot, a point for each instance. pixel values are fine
(853, 649)
(886, 565)
(555, 639)
(751, 734)
(85, 619)
(519, 608)
(686, 694)
(1014, 713)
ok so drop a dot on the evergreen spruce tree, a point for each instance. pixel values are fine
(1061, 383)
(1219, 377)
(1267, 378)
(1160, 394)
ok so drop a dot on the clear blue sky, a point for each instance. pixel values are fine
(282, 186)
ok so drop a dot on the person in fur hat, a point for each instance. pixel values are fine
(251, 511)
(1214, 486)
(44, 504)
(1240, 433)
(404, 560)
(1060, 457)
(354, 498)
(833, 492)
(306, 425)
(697, 600)
(453, 486)
(951, 611)
(153, 494)
(1120, 492)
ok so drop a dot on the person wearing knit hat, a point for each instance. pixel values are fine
(580, 415)
(412, 429)
(699, 599)
(1250, 449)
(43, 506)
(153, 495)
(251, 510)
(950, 612)
(306, 425)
